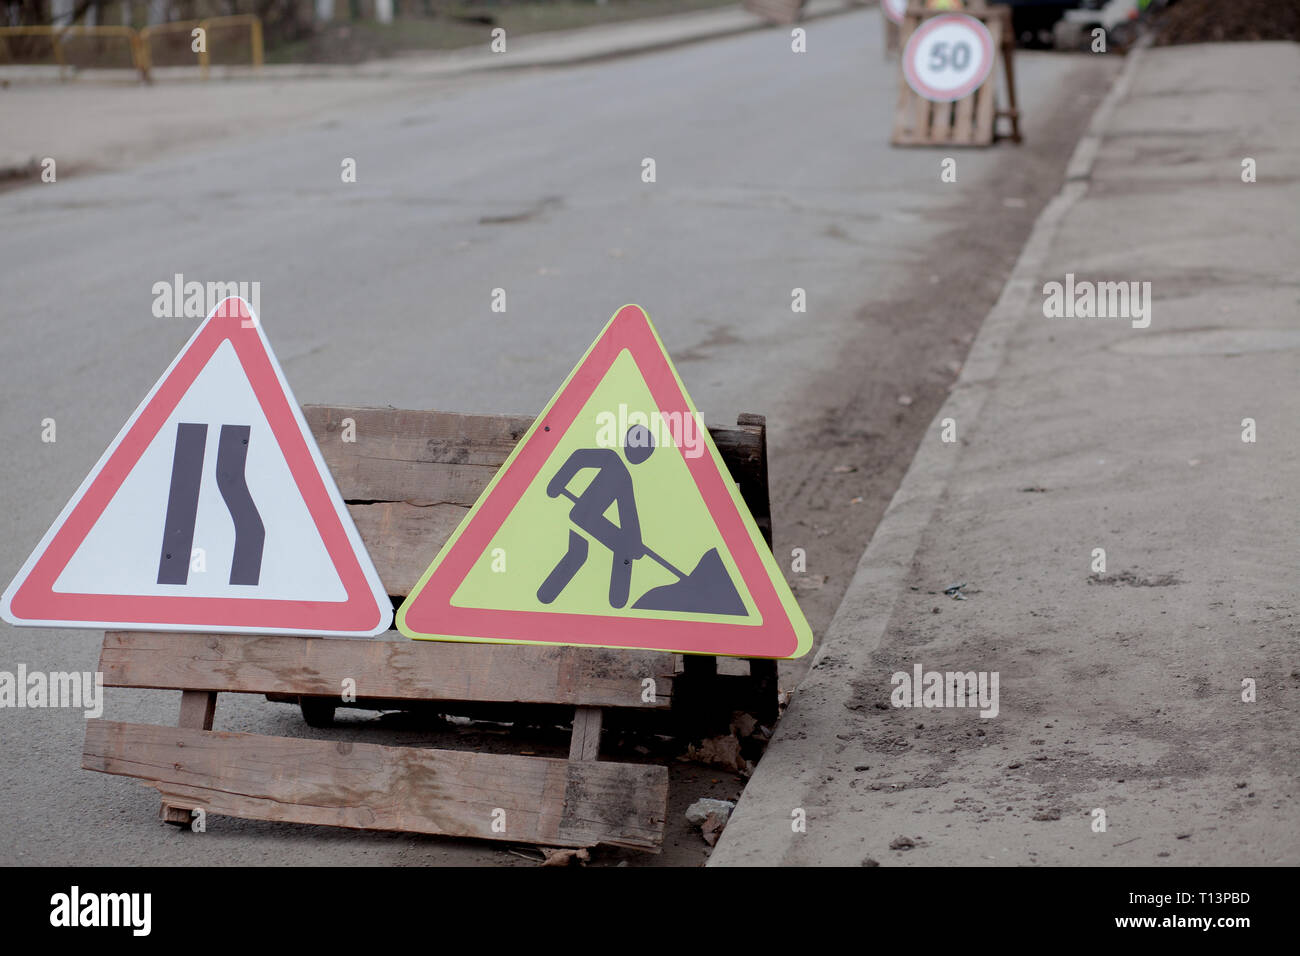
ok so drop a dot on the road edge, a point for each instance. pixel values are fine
(621, 40)
(547, 48)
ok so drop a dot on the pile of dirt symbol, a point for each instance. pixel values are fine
(1218, 21)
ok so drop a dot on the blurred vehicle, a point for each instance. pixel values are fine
(1064, 23)
(1035, 20)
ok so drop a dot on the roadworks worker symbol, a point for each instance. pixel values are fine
(614, 523)
(211, 511)
(708, 589)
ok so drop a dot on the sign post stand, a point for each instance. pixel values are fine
(399, 461)
(948, 89)
(281, 535)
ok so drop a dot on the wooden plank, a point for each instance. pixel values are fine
(397, 669)
(902, 108)
(986, 97)
(585, 744)
(403, 538)
(428, 458)
(176, 814)
(1002, 30)
(423, 457)
(755, 490)
(743, 450)
(985, 104)
(940, 123)
(908, 131)
(403, 531)
(899, 135)
(921, 120)
(545, 801)
(964, 113)
(766, 676)
(198, 710)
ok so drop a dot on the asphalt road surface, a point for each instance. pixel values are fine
(773, 171)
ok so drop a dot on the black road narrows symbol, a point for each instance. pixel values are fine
(183, 504)
(250, 534)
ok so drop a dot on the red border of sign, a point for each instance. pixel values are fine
(935, 96)
(36, 598)
(432, 613)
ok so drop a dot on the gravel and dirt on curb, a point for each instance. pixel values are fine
(1214, 21)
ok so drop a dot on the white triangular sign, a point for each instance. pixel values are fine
(211, 511)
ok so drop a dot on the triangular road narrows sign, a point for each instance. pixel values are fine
(613, 523)
(212, 510)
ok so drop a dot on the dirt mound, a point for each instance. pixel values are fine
(1218, 21)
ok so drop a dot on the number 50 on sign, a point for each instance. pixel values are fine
(948, 57)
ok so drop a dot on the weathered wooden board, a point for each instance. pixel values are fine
(373, 787)
(410, 477)
(403, 538)
(585, 742)
(963, 119)
(420, 457)
(427, 458)
(198, 710)
(395, 669)
(984, 129)
(745, 454)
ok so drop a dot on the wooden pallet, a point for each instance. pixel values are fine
(408, 479)
(971, 121)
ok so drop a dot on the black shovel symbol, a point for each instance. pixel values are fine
(706, 590)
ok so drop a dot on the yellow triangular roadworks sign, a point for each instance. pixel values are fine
(613, 523)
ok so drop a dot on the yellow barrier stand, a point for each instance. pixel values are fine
(141, 52)
(57, 35)
(253, 22)
(254, 37)
(147, 34)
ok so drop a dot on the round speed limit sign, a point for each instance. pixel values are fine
(894, 9)
(948, 57)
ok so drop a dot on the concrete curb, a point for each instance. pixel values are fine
(759, 832)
